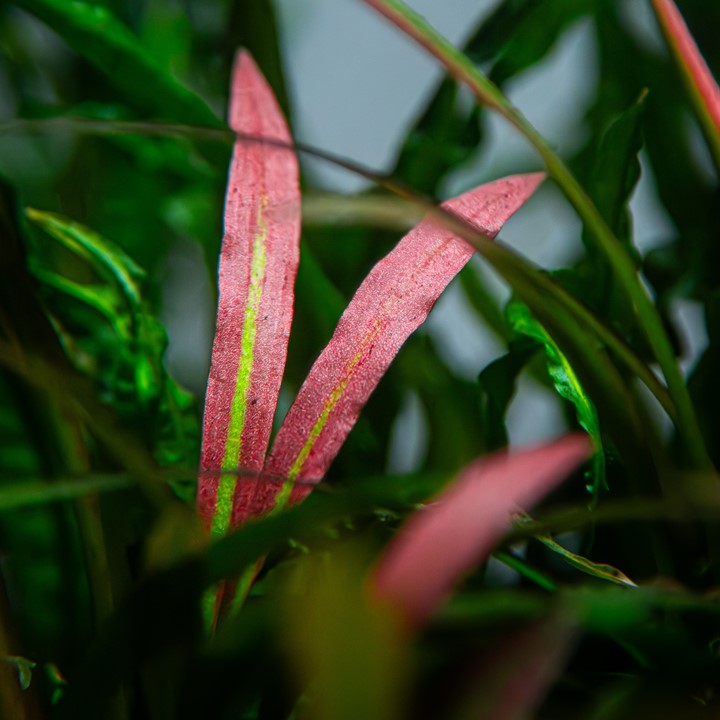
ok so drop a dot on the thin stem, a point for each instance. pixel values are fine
(462, 68)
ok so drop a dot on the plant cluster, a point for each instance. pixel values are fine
(159, 561)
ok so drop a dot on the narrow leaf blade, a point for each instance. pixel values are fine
(452, 535)
(258, 264)
(393, 300)
(703, 88)
(514, 678)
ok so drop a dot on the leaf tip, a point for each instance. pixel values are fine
(458, 531)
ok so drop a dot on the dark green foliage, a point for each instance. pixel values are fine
(102, 563)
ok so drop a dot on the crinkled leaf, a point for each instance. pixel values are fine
(128, 361)
(456, 532)
(566, 384)
(258, 264)
(486, 92)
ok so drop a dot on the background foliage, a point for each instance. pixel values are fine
(102, 563)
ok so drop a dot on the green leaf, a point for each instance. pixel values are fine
(348, 648)
(110, 261)
(496, 384)
(598, 570)
(522, 32)
(566, 384)
(446, 134)
(613, 178)
(487, 93)
(27, 493)
(617, 171)
(456, 434)
(252, 24)
(127, 362)
(702, 86)
(96, 34)
(24, 669)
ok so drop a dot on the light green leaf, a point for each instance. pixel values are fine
(598, 570)
(566, 384)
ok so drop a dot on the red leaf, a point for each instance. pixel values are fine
(391, 303)
(459, 530)
(258, 263)
(697, 74)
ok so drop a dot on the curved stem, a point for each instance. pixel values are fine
(462, 68)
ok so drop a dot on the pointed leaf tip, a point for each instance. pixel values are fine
(456, 532)
(392, 302)
(258, 264)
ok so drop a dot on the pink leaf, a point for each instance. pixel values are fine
(517, 673)
(393, 300)
(258, 263)
(458, 531)
(703, 87)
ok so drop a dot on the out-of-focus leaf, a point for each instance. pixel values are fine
(348, 649)
(110, 259)
(509, 26)
(703, 381)
(687, 193)
(598, 570)
(258, 264)
(445, 135)
(613, 178)
(455, 433)
(166, 34)
(24, 669)
(252, 24)
(457, 531)
(486, 92)
(496, 384)
(390, 304)
(511, 682)
(94, 32)
(525, 31)
(566, 384)
(704, 90)
(24, 494)
(43, 557)
(449, 129)
(483, 302)
(617, 170)
(134, 635)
